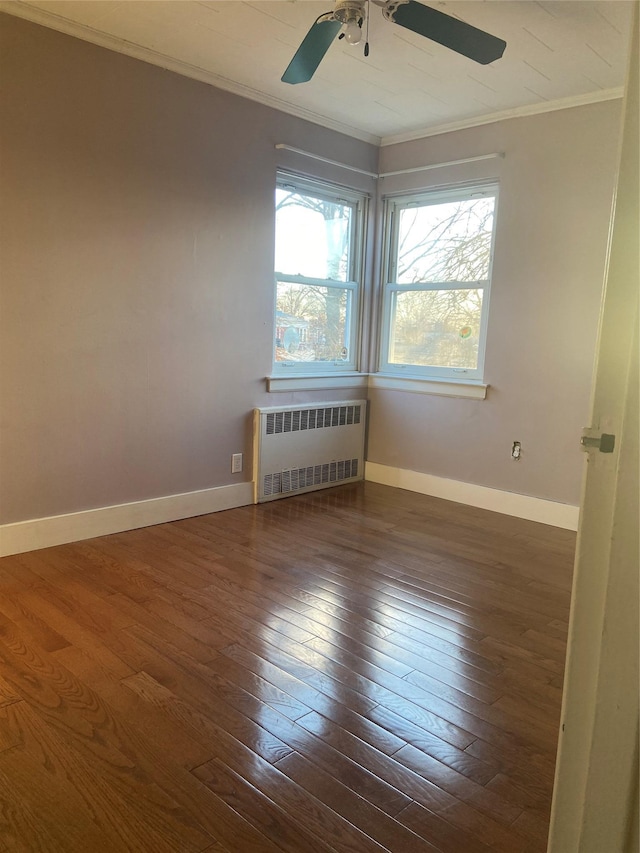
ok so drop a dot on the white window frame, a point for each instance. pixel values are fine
(392, 207)
(353, 285)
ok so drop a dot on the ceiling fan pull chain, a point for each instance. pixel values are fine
(366, 44)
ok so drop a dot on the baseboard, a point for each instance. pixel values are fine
(508, 503)
(72, 527)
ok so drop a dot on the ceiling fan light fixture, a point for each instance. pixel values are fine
(353, 33)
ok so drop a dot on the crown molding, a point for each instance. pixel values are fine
(85, 33)
(503, 115)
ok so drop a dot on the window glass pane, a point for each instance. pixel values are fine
(439, 328)
(450, 241)
(311, 323)
(312, 236)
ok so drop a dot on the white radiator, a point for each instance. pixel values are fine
(302, 448)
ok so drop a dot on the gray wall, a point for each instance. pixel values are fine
(556, 188)
(137, 273)
(137, 283)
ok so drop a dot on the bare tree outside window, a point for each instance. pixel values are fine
(439, 274)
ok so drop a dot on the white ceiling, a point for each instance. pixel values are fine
(559, 52)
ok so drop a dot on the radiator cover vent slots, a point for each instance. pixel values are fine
(301, 419)
(300, 449)
(313, 475)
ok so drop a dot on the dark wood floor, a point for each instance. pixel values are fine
(360, 669)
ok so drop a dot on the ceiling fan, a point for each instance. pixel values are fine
(350, 14)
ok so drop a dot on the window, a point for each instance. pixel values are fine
(438, 272)
(318, 268)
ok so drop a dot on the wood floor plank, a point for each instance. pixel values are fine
(456, 814)
(37, 630)
(426, 824)
(409, 627)
(259, 687)
(341, 835)
(405, 649)
(290, 684)
(477, 720)
(479, 796)
(300, 664)
(270, 623)
(332, 578)
(158, 798)
(367, 785)
(7, 694)
(274, 822)
(110, 572)
(532, 662)
(357, 670)
(68, 585)
(230, 707)
(85, 810)
(515, 762)
(333, 605)
(304, 660)
(534, 827)
(27, 828)
(215, 741)
(9, 725)
(89, 642)
(122, 699)
(355, 809)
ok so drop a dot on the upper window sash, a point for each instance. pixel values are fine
(395, 205)
(343, 198)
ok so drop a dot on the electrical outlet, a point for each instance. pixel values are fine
(516, 450)
(236, 463)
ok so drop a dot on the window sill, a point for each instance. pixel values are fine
(317, 382)
(468, 388)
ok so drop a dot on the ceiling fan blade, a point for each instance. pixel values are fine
(310, 53)
(450, 32)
